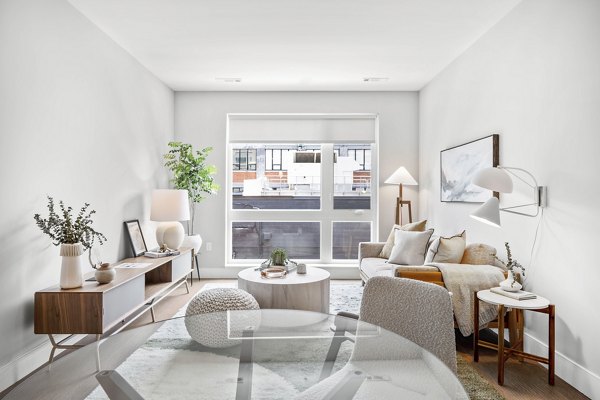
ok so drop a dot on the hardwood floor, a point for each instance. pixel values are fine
(523, 380)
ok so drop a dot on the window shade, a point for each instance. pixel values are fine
(302, 128)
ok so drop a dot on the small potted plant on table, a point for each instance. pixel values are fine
(511, 284)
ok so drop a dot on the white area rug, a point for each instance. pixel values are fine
(171, 355)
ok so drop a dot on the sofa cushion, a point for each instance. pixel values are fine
(418, 226)
(447, 249)
(410, 247)
(479, 254)
(376, 267)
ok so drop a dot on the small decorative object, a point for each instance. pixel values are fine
(105, 273)
(206, 321)
(136, 237)
(301, 269)
(511, 283)
(191, 173)
(460, 164)
(273, 272)
(74, 235)
(279, 259)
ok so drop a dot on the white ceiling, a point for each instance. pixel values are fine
(295, 44)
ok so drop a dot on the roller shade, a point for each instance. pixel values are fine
(302, 128)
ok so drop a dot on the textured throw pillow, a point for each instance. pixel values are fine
(479, 254)
(410, 247)
(418, 226)
(447, 249)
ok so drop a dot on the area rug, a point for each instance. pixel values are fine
(171, 347)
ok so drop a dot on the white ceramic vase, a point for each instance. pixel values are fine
(71, 275)
(105, 273)
(510, 284)
(193, 241)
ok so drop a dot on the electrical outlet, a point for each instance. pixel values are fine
(208, 246)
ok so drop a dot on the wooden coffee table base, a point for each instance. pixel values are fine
(516, 348)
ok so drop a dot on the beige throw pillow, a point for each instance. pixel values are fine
(479, 254)
(410, 247)
(418, 226)
(447, 249)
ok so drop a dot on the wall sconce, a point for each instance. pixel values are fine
(498, 180)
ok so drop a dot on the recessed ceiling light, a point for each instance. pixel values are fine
(375, 79)
(230, 80)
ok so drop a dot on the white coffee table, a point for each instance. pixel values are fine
(308, 291)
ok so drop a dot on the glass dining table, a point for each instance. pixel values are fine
(242, 355)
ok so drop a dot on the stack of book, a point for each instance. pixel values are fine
(519, 295)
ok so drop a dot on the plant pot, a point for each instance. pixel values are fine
(105, 273)
(71, 275)
(193, 241)
(510, 284)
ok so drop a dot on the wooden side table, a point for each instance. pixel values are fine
(539, 304)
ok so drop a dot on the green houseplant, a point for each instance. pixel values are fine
(74, 235)
(192, 173)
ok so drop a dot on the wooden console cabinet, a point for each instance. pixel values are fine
(98, 309)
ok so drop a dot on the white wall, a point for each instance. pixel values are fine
(81, 120)
(534, 79)
(200, 119)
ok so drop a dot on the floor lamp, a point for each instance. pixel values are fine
(402, 177)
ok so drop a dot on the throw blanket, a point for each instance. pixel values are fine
(464, 279)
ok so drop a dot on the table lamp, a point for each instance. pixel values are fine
(169, 206)
(401, 177)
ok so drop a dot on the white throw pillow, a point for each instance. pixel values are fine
(447, 249)
(410, 247)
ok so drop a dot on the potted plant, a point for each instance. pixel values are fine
(511, 284)
(74, 234)
(191, 173)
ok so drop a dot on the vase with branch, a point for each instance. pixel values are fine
(515, 271)
(191, 172)
(74, 234)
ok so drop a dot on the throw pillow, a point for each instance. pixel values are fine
(410, 247)
(418, 226)
(447, 249)
(479, 254)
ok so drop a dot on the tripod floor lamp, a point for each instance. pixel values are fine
(401, 177)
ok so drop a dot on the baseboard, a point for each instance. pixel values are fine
(581, 378)
(29, 361)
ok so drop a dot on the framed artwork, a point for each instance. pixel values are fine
(458, 166)
(136, 238)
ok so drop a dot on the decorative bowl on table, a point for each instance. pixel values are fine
(273, 272)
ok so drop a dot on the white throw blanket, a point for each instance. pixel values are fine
(463, 280)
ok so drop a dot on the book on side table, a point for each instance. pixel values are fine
(519, 295)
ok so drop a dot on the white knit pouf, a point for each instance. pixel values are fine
(206, 321)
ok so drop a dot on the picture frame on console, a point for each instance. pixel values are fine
(136, 237)
(460, 164)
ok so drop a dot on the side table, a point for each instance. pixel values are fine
(538, 304)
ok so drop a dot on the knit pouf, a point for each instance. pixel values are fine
(206, 321)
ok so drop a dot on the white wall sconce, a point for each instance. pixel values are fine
(498, 180)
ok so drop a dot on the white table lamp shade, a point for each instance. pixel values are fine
(488, 212)
(401, 177)
(170, 205)
(494, 179)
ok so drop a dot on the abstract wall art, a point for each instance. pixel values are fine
(459, 165)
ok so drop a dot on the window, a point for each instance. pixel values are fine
(313, 199)
(244, 159)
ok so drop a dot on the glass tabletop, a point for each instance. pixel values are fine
(259, 354)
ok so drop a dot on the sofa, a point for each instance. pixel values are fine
(371, 264)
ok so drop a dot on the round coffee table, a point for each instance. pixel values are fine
(308, 291)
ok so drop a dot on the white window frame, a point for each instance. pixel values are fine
(325, 215)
